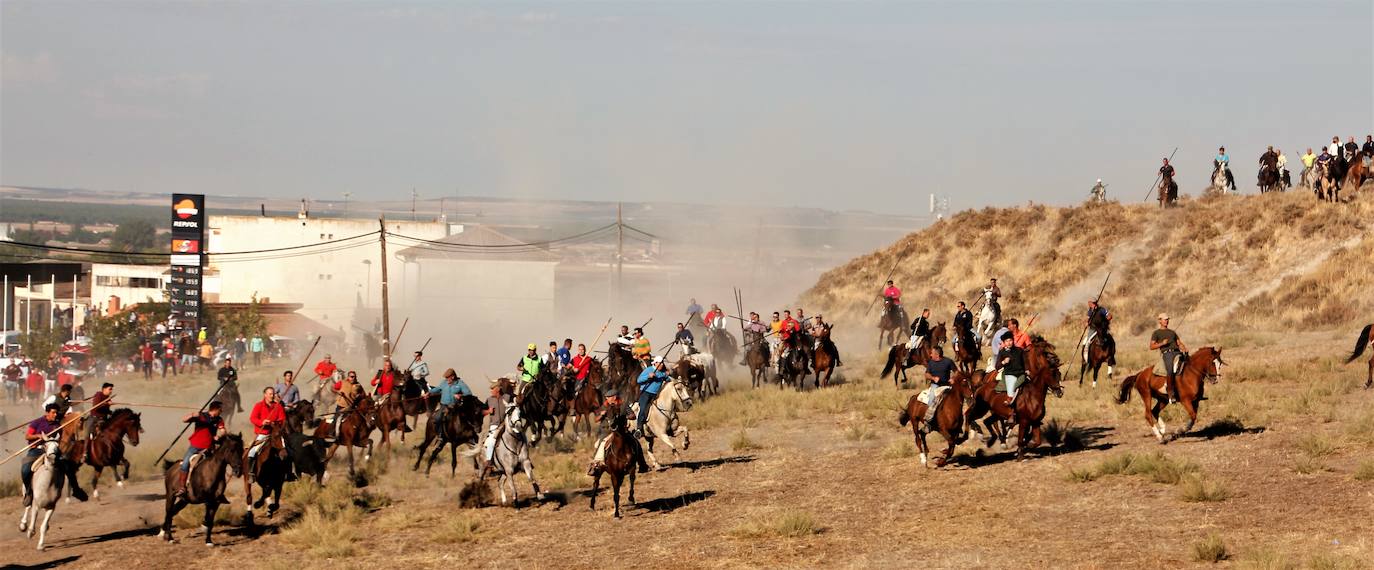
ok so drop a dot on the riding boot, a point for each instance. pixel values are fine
(1171, 387)
(182, 477)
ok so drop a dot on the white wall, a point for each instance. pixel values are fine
(100, 294)
(329, 285)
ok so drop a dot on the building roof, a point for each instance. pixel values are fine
(480, 243)
(298, 326)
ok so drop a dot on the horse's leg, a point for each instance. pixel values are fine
(632, 486)
(529, 472)
(921, 442)
(119, 481)
(95, 480)
(616, 479)
(1157, 421)
(1369, 381)
(43, 531)
(1190, 406)
(453, 460)
(208, 524)
(596, 488)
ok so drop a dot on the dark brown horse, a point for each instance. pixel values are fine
(621, 457)
(355, 430)
(1327, 187)
(900, 358)
(205, 485)
(268, 468)
(460, 426)
(106, 449)
(1168, 191)
(821, 360)
(622, 369)
(301, 417)
(756, 356)
(949, 418)
(1028, 410)
(1355, 173)
(587, 399)
(1268, 178)
(1204, 364)
(967, 352)
(543, 405)
(1360, 343)
(890, 323)
(1093, 356)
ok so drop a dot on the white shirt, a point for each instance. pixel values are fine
(1334, 149)
(1283, 161)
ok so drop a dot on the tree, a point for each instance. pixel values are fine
(134, 236)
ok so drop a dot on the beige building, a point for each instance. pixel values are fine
(115, 286)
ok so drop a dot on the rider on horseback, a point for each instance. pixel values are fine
(450, 392)
(528, 368)
(920, 328)
(1166, 174)
(347, 392)
(642, 348)
(818, 326)
(1173, 351)
(384, 381)
(582, 367)
(1099, 325)
(1269, 161)
(755, 327)
(497, 404)
(715, 318)
(266, 414)
(938, 370)
(209, 427)
(1223, 161)
(993, 294)
(895, 294)
(287, 392)
(684, 339)
(419, 370)
(789, 332)
(650, 382)
(100, 409)
(1012, 362)
(325, 369)
(963, 323)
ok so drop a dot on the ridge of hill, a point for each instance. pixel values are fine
(1274, 261)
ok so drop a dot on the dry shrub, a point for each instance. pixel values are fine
(11, 488)
(900, 449)
(1195, 489)
(465, 527)
(475, 495)
(782, 524)
(1268, 559)
(1365, 472)
(1210, 549)
(1315, 446)
(324, 534)
(1307, 465)
(1156, 466)
(742, 442)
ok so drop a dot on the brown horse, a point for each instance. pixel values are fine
(821, 360)
(1204, 364)
(1268, 178)
(268, 468)
(890, 323)
(1028, 410)
(391, 416)
(622, 369)
(106, 449)
(949, 418)
(461, 426)
(1355, 173)
(1360, 343)
(205, 485)
(900, 358)
(967, 352)
(1093, 356)
(586, 400)
(756, 356)
(1327, 187)
(355, 430)
(1168, 191)
(621, 457)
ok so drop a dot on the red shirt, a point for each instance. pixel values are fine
(265, 413)
(789, 326)
(148, 353)
(583, 365)
(384, 381)
(35, 381)
(713, 315)
(326, 369)
(206, 428)
(169, 350)
(97, 409)
(893, 293)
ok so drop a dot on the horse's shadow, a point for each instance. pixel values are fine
(49, 564)
(695, 466)
(1224, 427)
(100, 538)
(670, 504)
(1073, 440)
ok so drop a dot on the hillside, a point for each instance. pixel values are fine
(1273, 262)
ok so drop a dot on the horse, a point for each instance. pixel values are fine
(756, 356)
(622, 370)
(230, 400)
(106, 449)
(620, 459)
(662, 423)
(1268, 178)
(300, 417)
(42, 491)
(698, 371)
(1094, 355)
(892, 321)
(413, 400)
(1308, 179)
(989, 318)
(372, 348)
(900, 358)
(949, 418)
(268, 469)
(967, 351)
(510, 456)
(1168, 190)
(722, 344)
(1360, 343)
(461, 426)
(1204, 364)
(1327, 189)
(544, 404)
(1356, 172)
(354, 430)
(821, 360)
(1042, 376)
(792, 365)
(205, 485)
(586, 397)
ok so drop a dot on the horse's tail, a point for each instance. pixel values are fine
(1360, 344)
(168, 463)
(1126, 384)
(891, 361)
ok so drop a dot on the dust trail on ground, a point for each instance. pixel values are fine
(1308, 265)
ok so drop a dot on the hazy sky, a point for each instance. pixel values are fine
(836, 105)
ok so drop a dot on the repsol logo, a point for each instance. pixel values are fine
(185, 224)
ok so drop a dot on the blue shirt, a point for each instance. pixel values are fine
(1225, 159)
(651, 380)
(694, 309)
(289, 395)
(564, 356)
(450, 392)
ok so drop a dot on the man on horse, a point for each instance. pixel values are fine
(550, 360)
(528, 366)
(347, 392)
(684, 339)
(100, 409)
(938, 371)
(775, 328)
(266, 414)
(755, 327)
(325, 369)
(1099, 192)
(207, 428)
(287, 393)
(920, 328)
(62, 399)
(227, 373)
(419, 370)
(498, 403)
(1173, 352)
(789, 330)
(642, 348)
(1166, 174)
(650, 382)
(565, 353)
(963, 323)
(1281, 162)
(45, 426)
(993, 294)
(582, 368)
(1269, 161)
(384, 381)
(819, 326)
(1223, 161)
(450, 392)
(1308, 160)
(693, 310)
(715, 318)
(891, 292)
(1099, 324)
(1012, 364)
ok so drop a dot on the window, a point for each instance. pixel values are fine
(132, 282)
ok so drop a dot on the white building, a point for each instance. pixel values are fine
(116, 286)
(335, 284)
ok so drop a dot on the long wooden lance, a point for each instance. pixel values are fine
(1158, 176)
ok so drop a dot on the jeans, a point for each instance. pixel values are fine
(186, 459)
(1011, 385)
(646, 399)
(26, 469)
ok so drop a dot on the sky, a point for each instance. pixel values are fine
(833, 105)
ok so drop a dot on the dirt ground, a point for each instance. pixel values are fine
(828, 479)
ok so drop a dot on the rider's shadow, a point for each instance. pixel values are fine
(670, 504)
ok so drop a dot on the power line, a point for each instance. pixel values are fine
(160, 255)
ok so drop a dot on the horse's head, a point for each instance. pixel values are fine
(230, 449)
(679, 393)
(1210, 357)
(132, 423)
(52, 447)
(1043, 365)
(939, 334)
(515, 420)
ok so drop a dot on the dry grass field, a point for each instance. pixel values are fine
(1279, 473)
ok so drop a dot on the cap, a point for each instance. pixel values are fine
(1163, 316)
(658, 360)
(532, 347)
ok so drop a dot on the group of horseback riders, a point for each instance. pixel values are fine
(1330, 166)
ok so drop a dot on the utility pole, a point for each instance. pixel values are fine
(386, 302)
(413, 195)
(346, 195)
(619, 251)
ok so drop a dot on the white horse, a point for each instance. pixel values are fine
(511, 456)
(1219, 181)
(707, 363)
(42, 492)
(662, 424)
(987, 317)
